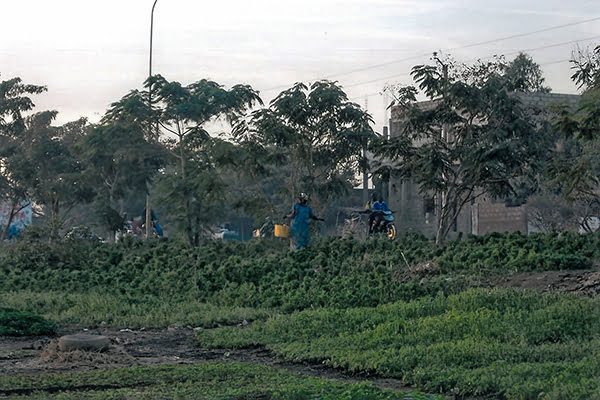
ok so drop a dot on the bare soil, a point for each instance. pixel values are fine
(586, 282)
(144, 347)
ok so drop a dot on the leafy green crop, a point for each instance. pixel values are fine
(20, 323)
(332, 273)
(361, 306)
(207, 380)
(504, 343)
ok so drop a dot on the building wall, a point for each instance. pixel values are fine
(484, 216)
(409, 206)
(496, 217)
(417, 213)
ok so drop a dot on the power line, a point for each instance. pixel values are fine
(475, 44)
(480, 58)
(518, 35)
(362, 96)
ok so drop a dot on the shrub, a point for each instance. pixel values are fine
(20, 323)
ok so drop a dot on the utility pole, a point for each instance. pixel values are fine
(444, 94)
(442, 203)
(386, 184)
(148, 209)
(365, 195)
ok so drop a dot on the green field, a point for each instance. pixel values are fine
(367, 308)
(161, 283)
(209, 380)
(503, 343)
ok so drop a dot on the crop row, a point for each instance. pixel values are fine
(334, 272)
(209, 380)
(503, 343)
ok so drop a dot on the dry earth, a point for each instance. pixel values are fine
(19, 356)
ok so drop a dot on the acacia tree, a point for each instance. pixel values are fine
(318, 131)
(182, 112)
(473, 138)
(135, 112)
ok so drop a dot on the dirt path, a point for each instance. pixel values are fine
(585, 282)
(151, 347)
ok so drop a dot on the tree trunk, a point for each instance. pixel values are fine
(189, 229)
(445, 219)
(197, 232)
(54, 219)
(111, 195)
(440, 234)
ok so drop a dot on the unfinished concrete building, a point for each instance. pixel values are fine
(416, 212)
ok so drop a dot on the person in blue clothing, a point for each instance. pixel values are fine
(155, 224)
(13, 232)
(300, 228)
(376, 207)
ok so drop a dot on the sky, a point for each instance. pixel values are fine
(91, 53)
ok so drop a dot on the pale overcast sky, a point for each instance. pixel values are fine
(90, 53)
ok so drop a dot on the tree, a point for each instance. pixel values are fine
(14, 103)
(319, 132)
(549, 212)
(50, 169)
(199, 200)
(182, 112)
(525, 75)
(134, 110)
(119, 160)
(586, 64)
(574, 170)
(473, 138)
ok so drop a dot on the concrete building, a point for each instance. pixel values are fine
(416, 212)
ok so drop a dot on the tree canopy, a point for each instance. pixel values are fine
(320, 134)
(473, 138)
(206, 153)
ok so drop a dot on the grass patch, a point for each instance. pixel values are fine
(209, 380)
(502, 343)
(23, 323)
(94, 309)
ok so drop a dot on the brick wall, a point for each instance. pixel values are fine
(496, 217)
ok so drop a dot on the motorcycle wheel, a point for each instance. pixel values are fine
(391, 231)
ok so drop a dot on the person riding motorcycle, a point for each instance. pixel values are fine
(301, 215)
(376, 208)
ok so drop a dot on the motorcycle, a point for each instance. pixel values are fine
(383, 222)
(266, 230)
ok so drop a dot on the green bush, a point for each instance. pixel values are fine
(20, 323)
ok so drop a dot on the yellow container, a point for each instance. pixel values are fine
(282, 231)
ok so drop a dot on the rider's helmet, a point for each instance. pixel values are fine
(303, 197)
